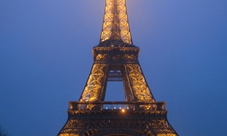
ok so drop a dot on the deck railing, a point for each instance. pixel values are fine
(136, 106)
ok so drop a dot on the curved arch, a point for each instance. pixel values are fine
(119, 133)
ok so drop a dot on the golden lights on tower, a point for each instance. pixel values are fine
(115, 24)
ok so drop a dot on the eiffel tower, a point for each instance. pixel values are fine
(116, 59)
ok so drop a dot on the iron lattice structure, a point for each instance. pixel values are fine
(116, 59)
(115, 22)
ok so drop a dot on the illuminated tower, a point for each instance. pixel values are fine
(116, 59)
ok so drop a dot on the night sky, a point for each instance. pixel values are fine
(45, 59)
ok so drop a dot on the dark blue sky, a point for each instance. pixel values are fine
(45, 59)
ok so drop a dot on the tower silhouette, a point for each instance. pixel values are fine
(116, 59)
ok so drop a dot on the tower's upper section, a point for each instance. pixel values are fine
(115, 26)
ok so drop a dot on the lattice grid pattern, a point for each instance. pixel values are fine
(115, 23)
(94, 84)
(139, 85)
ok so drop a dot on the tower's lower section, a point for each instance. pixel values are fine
(117, 119)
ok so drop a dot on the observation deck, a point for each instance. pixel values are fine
(117, 118)
(116, 109)
(116, 106)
